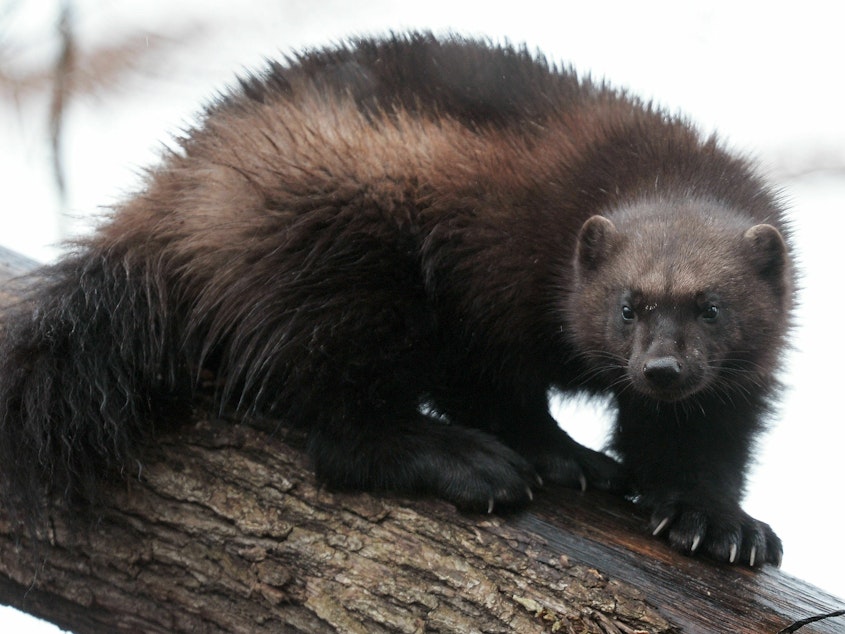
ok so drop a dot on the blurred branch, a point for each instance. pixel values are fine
(80, 69)
(61, 92)
(93, 69)
(812, 159)
(800, 172)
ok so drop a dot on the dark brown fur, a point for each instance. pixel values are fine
(367, 235)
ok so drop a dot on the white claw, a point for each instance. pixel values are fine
(530, 494)
(490, 506)
(583, 480)
(753, 557)
(696, 542)
(732, 557)
(661, 526)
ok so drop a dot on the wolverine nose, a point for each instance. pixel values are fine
(662, 371)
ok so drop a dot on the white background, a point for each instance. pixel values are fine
(768, 76)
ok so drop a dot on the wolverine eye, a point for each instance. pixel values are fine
(627, 313)
(710, 312)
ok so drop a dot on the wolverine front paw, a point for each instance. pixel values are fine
(726, 534)
(561, 460)
(582, 468)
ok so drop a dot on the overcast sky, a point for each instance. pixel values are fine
(767, 76)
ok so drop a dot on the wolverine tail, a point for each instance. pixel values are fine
(81, 359)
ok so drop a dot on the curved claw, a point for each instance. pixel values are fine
(663, 523)
(696, 542)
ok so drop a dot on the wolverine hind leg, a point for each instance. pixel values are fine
(357, 390)
(344, 344)
(366, 430)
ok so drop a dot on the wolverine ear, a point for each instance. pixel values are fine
(596, 242)
(768, 251)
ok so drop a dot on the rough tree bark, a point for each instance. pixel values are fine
(225, 530)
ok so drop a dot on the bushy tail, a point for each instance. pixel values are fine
(82, 359)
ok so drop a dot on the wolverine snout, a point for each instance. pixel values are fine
(663, 372)
(665, 376)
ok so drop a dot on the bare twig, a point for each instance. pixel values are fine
(62, 86)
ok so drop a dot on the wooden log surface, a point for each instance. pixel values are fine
(224, 529)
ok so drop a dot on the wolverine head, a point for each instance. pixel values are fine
(680, 297)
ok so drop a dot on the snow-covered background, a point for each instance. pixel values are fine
(768, 76)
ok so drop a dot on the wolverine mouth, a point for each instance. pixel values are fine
(666, 391)
(674, 395)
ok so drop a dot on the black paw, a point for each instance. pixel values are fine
(561, 460)
(478, 474)
(469, 468)
(726, 534)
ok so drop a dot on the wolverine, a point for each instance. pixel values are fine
(400, 245)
